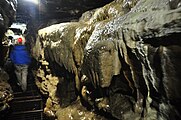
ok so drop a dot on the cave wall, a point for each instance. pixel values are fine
(8, 10)
(121, 60)
(7, 16)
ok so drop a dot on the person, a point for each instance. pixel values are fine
(21, 59)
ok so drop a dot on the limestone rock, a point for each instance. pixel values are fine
(7, 16)
(77, 112)
(126, 52)
(6, 93)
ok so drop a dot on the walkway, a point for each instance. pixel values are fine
(25, 106)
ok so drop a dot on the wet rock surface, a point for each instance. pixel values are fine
(6, 93)
(76, 111)
(7, 14)
(122, 59)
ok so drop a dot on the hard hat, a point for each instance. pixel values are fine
(20, 40)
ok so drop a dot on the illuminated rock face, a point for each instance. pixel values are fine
(122, 59)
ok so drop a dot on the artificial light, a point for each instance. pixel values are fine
(33, 1)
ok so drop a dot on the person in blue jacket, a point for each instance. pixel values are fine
(21, 59)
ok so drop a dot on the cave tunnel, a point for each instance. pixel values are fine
(90, 59)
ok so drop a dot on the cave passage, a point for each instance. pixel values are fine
(26, 105)
(92, 59)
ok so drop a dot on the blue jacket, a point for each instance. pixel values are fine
(19, 55)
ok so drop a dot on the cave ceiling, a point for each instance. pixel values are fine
(55, 10)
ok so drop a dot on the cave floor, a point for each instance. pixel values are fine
(27, 105)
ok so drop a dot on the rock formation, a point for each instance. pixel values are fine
(5, 91)
(121, 60)
(7, 15)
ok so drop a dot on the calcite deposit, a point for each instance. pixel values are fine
(121, 60)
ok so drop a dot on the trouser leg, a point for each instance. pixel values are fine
(18, 73)
(24, 77)
(22, 73)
